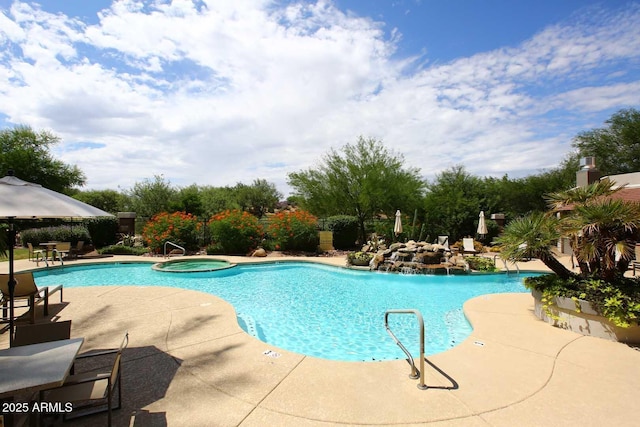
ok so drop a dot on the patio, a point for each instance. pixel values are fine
(189, 364)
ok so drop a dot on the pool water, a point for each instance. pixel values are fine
(323, 311)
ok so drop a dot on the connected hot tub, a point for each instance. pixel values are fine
(192, 265)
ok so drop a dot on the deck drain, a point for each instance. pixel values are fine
(479, 343)
(271, 353)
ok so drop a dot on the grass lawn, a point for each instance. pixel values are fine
(18, 253)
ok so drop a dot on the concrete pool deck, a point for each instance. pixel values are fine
(188, 363)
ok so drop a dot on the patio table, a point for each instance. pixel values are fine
(32, 368)
(37, 367)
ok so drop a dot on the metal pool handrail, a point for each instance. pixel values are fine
(415, 373)
(173, 244)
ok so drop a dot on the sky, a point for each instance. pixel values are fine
(217, 92)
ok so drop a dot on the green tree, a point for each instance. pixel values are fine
(152, 197)
(363, 180)
(27, 153)
(108, 200)
(217, 199)
(616, 147)
(258, 198)
(453, 202)
(189, 200)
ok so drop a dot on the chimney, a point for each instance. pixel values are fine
(588, 173)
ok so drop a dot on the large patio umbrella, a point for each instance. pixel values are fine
(482, 225)
(25, 200)
(397, 226)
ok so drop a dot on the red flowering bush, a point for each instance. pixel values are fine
(294, 231)
(234, 232)
(180, 228)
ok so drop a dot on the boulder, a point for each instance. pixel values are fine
(260, 252)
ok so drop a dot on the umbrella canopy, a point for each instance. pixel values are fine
(25, 200)
(482, 225)
(397, 227)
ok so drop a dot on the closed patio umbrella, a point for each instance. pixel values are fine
(25, 200)
(482, 225)
(397, 227)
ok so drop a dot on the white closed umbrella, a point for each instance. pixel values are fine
(482, 225)
(25, 200)
(397, 227)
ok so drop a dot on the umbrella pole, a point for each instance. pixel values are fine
(12, 281)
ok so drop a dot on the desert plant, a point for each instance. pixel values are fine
(294, 230)
(234, 232)
(178, 227)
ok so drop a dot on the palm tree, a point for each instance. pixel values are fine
(602, 230)
(533, 236)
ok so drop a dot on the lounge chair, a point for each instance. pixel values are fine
(443, 241)
(94, 390)
(26, 290)
(41, 332)
(468, 246)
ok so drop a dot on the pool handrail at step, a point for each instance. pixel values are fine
(504, 261)
(174, 245)
(415, 373)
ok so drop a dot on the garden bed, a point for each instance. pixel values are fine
(563, 314)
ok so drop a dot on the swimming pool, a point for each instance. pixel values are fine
(317, 310)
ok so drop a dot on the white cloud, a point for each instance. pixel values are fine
(235, 91)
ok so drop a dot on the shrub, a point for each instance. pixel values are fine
(234, 232)
(103, 231)
(178, 227)
(123, 250)
(294, 231)
(345, 231)
(63, 233)
(359, 258)
(480, 263)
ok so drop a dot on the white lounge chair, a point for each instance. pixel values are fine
(443, 241)
(468, 246)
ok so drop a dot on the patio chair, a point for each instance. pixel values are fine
(94, 390)
(468, 246)
(26, 290)
(41, 332)
(34, 254)
(76, 252)
(61, 250)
